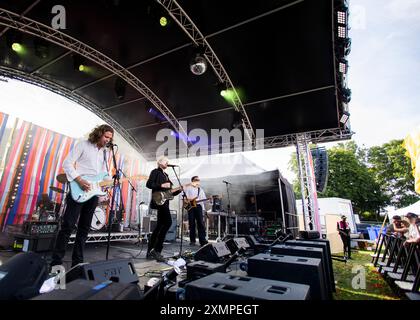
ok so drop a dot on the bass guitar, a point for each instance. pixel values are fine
(189, 204)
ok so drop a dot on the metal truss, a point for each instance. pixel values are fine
(32, 27)
(187, 25)
(56, 88)
(103, 237)
(307, 183)
(287, 140)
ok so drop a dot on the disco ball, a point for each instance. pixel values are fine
(198, 65)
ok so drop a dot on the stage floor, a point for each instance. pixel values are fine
(146, 269)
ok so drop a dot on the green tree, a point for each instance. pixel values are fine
(392, 171)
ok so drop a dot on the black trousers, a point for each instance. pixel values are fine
(195, 215)
(346, 244)
(163, 223)
(74, 210)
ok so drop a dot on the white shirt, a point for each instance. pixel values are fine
(413, 232)
(85, 159)
(192, 192)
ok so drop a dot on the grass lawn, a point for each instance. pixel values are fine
(376, 287)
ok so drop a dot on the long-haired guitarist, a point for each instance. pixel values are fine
(196, 197)
(87, 158)
(161, 185)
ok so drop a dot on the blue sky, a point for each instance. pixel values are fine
(384, 77)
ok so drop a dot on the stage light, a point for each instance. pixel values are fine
(198, 65)
(341, 17)
(163, 21)
(343, 66)
(344, 117)
(342, 32)
(17, 47)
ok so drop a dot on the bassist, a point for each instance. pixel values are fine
(87, 158)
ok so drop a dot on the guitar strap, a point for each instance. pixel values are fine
(198, 193)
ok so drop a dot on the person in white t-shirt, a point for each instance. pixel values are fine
(195, 214)
(413, 229)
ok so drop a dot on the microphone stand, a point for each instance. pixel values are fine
(116, 183)
(131, 197)
(228, 206)
(184, 198)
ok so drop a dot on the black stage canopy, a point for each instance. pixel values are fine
(283, 57)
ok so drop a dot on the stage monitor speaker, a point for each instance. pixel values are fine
(200, 269)
(223, 286)
(119, 270)
(22, 276)
(307, 252)
(309, 235)
(212, 252)
(235, 244)
(82, 289)
(318, 243)
(290, 269)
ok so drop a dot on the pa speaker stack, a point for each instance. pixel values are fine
(318, 243)
(307, 252)
(290, 269)
(219, 286)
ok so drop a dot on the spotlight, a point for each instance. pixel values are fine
(163, 21)
(120, 88)
(344, 117)
(17, 47)
(198, 65)
(78, 64)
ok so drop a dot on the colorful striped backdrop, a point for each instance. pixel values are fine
(30, 159)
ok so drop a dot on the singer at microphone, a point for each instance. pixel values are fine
(110, 145)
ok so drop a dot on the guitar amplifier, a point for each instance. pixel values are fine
(37, 228)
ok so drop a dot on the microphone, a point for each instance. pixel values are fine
(172, 165)
(226, 182)
(110, 145)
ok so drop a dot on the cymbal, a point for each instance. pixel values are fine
(52, 188)
(62, 178)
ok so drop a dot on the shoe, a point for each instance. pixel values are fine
(148, 256)
(157, 256)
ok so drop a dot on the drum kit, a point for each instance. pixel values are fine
(46, 209)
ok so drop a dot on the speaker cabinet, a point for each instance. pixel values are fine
(212, 252)
(307, 252)
(291, 269)
(82, 289)
(220, 286)
(119, 270)
(235, 244)
(325, 246)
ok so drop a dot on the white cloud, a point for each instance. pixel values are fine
(404, 10)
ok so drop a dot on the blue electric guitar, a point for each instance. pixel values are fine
(96, 184)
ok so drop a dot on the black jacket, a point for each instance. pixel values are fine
(156, 178)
